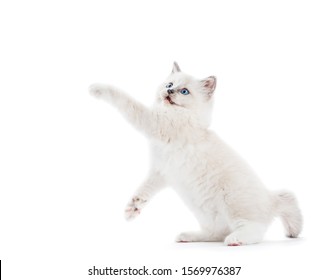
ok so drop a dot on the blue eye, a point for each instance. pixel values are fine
(184, 91)
(169, 85)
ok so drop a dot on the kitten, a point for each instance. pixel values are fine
(229, 201)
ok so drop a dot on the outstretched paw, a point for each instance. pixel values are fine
(134, 207)
(102, 90)
(97, 89)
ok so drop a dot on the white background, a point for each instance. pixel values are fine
(69, 163)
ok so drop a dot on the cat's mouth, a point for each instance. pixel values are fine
(168, 100)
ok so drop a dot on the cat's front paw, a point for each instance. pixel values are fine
(99, 90)
(134, 207)
(96, 89)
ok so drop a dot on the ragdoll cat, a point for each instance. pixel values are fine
(229, 201)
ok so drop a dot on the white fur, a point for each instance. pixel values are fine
(229, 201)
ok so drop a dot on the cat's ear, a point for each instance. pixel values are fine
(209, 85)
(176, 68)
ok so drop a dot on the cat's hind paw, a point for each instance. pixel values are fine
(134, 207)
(185, 237)
(248, 233)
(199, 236)
(233, 240)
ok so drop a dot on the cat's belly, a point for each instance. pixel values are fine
(194, 174)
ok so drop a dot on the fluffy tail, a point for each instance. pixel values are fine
(286, 207)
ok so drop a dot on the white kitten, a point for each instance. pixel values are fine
(229, 201)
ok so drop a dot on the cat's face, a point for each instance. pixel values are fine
(182, 90)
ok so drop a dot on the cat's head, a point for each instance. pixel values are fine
(183, 91)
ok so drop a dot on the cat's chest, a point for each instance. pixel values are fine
(176, 161)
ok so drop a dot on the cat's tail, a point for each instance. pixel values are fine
(286, 207)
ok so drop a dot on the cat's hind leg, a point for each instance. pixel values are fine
(213, 229)
(246, 232)
(216, 234)
(198, 236)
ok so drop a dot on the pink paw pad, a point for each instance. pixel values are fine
(235, 244)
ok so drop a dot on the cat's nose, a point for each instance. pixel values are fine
(170, 91)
